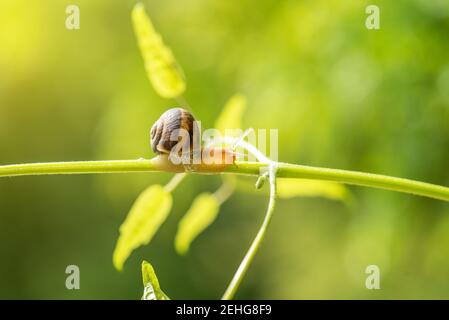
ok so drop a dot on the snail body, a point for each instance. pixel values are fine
(175, 135)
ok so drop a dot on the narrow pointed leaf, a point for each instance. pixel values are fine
(231, 116)
(162, 69)
(201, 214)
(147, 214)
(289, 188)
(152, 289)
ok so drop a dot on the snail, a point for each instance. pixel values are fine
(170, 129)
(176, 135)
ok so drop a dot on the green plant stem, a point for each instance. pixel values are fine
(77, 167)
(174, 182)
(224, 192)
(251, 253)
(285, 170)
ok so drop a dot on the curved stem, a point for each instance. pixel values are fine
(285, 170)
(244, 265)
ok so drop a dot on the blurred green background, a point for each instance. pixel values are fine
(341, 96)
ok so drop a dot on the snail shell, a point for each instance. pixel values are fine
(173, 119)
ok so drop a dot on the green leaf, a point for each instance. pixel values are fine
(162, 69)
(201, 214)
(147, 214)
(152, 289)
(231, 116)
(289, 188)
